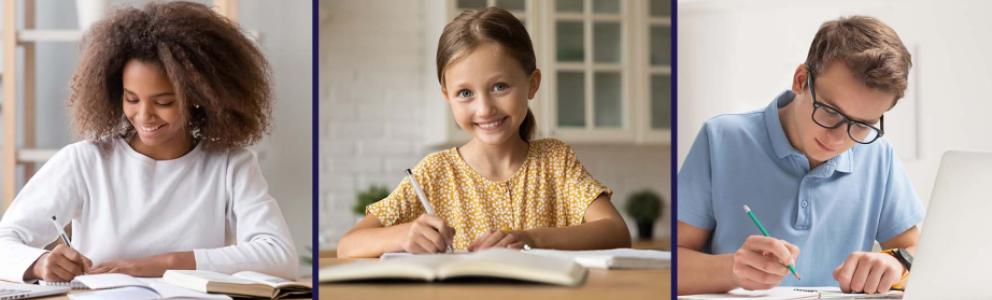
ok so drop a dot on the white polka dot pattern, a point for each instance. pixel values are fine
(551, 189)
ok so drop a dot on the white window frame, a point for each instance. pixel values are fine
(550, 68)
(634, 68)
(643, 22)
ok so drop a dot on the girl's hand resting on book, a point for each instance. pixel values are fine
(428, 234)
(61, 264)
(153, 266)
(130, 267)
(501, 239)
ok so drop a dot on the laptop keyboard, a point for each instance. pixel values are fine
(9, 292)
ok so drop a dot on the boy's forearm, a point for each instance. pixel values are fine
(609, 233)
(702, 273)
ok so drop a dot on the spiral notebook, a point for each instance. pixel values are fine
(71, 284)
(98, 281)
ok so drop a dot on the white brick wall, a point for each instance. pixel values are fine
(371, 119)
(371, 55)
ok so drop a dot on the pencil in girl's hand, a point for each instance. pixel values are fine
(65, 238)
(422, 197)
(420, 193)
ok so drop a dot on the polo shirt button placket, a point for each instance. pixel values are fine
(803, 211)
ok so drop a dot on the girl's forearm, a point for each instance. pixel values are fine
(371, 242)
(175, 261)
(608, 233)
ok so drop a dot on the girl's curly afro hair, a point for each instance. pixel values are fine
(219, 75)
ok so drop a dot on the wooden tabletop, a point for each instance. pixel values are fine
(663, 244)
(600, 284)
(306, 281)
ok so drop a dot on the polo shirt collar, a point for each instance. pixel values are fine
(780, 142)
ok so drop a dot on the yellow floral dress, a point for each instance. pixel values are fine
(550, 189)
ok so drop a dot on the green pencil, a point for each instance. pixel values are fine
(765, 232)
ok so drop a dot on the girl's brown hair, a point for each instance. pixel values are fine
(221, 79)
(475, 27)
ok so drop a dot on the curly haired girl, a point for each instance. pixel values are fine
(167, 98)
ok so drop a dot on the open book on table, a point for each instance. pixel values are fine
(620, 258)
(493, 263)
(246, 283)
(122, 286)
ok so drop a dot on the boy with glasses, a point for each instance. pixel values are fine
(814, 169)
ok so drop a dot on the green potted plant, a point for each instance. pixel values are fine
(645, 207)
(371, 195)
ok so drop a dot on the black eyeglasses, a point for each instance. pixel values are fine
(828, 117)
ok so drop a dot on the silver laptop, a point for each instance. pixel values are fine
(9, 290)
(954, 255)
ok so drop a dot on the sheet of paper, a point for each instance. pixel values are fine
(791, 292)
(168, 291)
(124, 293)
(104, 281)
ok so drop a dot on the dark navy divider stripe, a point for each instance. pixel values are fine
(674, 150)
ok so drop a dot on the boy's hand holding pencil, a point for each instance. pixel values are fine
(763, 261)
(760, 263)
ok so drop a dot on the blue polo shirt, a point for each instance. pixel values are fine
(844, 205)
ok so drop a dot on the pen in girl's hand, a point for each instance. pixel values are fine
(423, 198)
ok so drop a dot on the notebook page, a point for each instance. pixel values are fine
(168, 291)
(265, 279)
(513, 264)
(791, 292)
(778, 293)
(112, 280)
(604, 259)
(124, 293)
(421, 267)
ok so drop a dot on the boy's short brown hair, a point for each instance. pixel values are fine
(870, 49)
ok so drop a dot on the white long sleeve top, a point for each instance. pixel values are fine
(125, 205)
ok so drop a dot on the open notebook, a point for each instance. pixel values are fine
(622, 258)
(245, 283)
(122, 286)
(98, 281)
(494, 263)
(787, 293)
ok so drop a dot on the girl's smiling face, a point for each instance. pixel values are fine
(151, 107)
(488, 90)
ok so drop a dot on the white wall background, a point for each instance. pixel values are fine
(737, 56)
(285, 30)
(372, 70)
